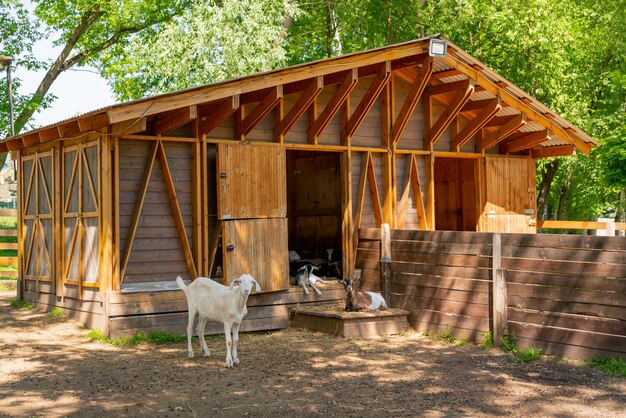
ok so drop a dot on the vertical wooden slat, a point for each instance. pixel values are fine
(385, 262)
(205, 268)
(389, 178)
(116, 211)
(106, 211)
(20, 225)
(430, 191)
(57, 218)
(346, 210)
(417, 195)
(79, 229)
(360, 200)
(196, 196)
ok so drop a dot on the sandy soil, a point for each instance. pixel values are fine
(48, 368)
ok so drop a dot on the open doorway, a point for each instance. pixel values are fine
(314, 204)
(456, 188)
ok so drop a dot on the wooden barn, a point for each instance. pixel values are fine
(227, 178)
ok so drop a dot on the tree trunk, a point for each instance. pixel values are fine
(620, 212)
(547, 176)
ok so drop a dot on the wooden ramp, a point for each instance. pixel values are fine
(333, 319)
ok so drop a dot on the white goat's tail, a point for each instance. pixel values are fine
(181, 284)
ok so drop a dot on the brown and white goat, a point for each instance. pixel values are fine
(358, 301)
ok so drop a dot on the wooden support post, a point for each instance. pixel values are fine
(499, 293)
(385, 263)
(20, 226)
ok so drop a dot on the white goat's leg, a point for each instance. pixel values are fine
(305, 289)
(229, 344)
(235, 340)
(201, 327)
(192, 317)
(315, 288)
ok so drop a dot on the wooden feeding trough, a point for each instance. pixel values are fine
(332, 319)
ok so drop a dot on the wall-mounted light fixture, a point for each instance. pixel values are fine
(438, 48)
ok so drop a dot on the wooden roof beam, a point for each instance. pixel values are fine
(524, 141)
(545, 152)
(93, 123)
(315, 87)
(465, 91)
(244, 125)
(487, 113)
(446, 73)
(447, 87)
(175, 119)
(473, 105)
(49, 134)
(317, 126)
(368, 100)
(69, 129)
(513, 101)
(417, 88)
(31, 139)
(14, 144)
(493, 138)
(213, 114)
(129, 127)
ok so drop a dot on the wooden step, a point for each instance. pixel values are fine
(333, 319)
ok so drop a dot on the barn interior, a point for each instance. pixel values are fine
(314, 204)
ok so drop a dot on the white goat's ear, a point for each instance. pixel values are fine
(258, 287)
(235, 282)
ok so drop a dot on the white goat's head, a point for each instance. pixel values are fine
(245, 283)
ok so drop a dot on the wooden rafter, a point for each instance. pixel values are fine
(244, 125)
(49, 134)
(452, 110)
(69, 129)
(524, 141)
(500, 120)
(444, 88)
(417, 88)
(304, 101)
(130, 238)
(214, 114)
(368, 100)
(486, 114)
(491, 139)
(129, 127)
(175, 119)
(411, 180)
(178, 216)
(320, 122)
(31, 139)
(474, 105)
(559, 151)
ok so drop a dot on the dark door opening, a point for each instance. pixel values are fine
(456, 194)
(314, 204)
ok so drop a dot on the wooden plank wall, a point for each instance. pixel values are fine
(156, 253)
(567, 294)
(167, 310)
(443, 279)
(368, 259)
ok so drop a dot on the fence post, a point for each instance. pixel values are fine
(385, 262)
(499, 292)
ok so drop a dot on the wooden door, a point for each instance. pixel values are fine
(509, 198)
(252, 205)
(81, 194)
(251, 181)
(37, 215)
(257, 247)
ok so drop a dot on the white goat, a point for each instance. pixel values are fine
(213, 301)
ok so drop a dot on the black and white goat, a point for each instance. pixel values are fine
(357, 301)
(304, 276)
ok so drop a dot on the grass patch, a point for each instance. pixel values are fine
(7, 285)
(462, 342)
(8, 222)
(56, 312)
(530, 354)
(20, 304)
(139, 338)
(487, 340)
(442, 336)
(610, 365)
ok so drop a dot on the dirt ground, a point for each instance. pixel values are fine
(48, 368)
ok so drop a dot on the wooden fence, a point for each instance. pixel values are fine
(563, 294)
(8, 260)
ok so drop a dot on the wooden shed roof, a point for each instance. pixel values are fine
(558, 136)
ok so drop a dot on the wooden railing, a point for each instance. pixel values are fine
(611, 227)
(8, 260)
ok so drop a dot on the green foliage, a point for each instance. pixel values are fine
(487, 340)
(6, 284)
(21, 304)
(509, 341)
(138, 338)
(610, 365)
(56, 312)
(529, 354)
(8, 222)
(445, 336)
